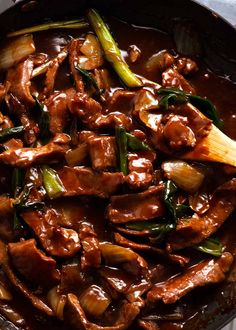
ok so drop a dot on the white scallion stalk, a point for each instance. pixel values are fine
(16, 50)
(183, 175)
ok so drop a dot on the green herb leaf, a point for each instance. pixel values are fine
(88, 77)
(44, 122)
(203, 104)
(211, 246)
(18, 177)
(152, 227)
(121, 139)
(7, 133)
(135, 144)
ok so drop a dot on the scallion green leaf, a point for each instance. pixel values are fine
(211, 246)
(8, 133)
(121, 139)
(88, 77)
(52, 183)
(135, 144)
(44, 121)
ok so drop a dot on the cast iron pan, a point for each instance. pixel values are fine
(218, 307)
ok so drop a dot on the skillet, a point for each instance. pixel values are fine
(219, 49)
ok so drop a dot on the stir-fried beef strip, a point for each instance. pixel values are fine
(204, 273)
(57, 241)
(95, 198)
(84, 181)
(25, 157)
(26, 258)
(19, 285)
(192, 231)
(140, 206)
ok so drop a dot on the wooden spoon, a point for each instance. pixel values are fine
(215, 147)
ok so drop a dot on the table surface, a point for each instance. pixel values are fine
(226, 8)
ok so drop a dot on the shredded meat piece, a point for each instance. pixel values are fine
(6, 218)
(134, 53)
(179, 129)
(3, 90)
(122, 101)
(141, 206)
(192, 231)
(39, 59)
(74, 47)
(57, 241)
(91, 255)
(177, 259)
(103, 152)
(185, 66)
(178, 134)
(83, 181)
(33, 264)
(207, 272)
(148, 325)
(19, 79)
(75, 315)
(140, 169)
(116, 278)
(58, 109)
(172, 78)
(72, 279)
(18, 285)
(90, 113)
(49, 153)
(5, 122)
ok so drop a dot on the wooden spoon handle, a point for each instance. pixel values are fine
(216, 147)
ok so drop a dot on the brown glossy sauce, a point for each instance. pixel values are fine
(219, 90)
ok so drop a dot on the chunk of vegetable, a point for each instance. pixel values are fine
(57, 302)
(112, 52)
(77, 156)
(183, 175)
(16, 51)
(72, 24)
(94, 300)
(52, 183)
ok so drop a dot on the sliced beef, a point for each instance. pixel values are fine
(31, 129)
(73, 280)
(50, 153)
(74, 52)
(83, 181)
(172, 78)
(173, 258)
(181, 128)
(7, 232)
(91, 255)
(76, 317)
(33, 264)
(18, 285)
(5, 122)
(134, 53)
(52, 72)
(207, 272)
(140, 169)
(185, 66)
(89, 112)
(57, 241)
(122, 101)
(116, 278)
(103, 152)
(133, 207)
(177, 134)
(199, 227)
(19, 79)
(148, 325)
(59, 112)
